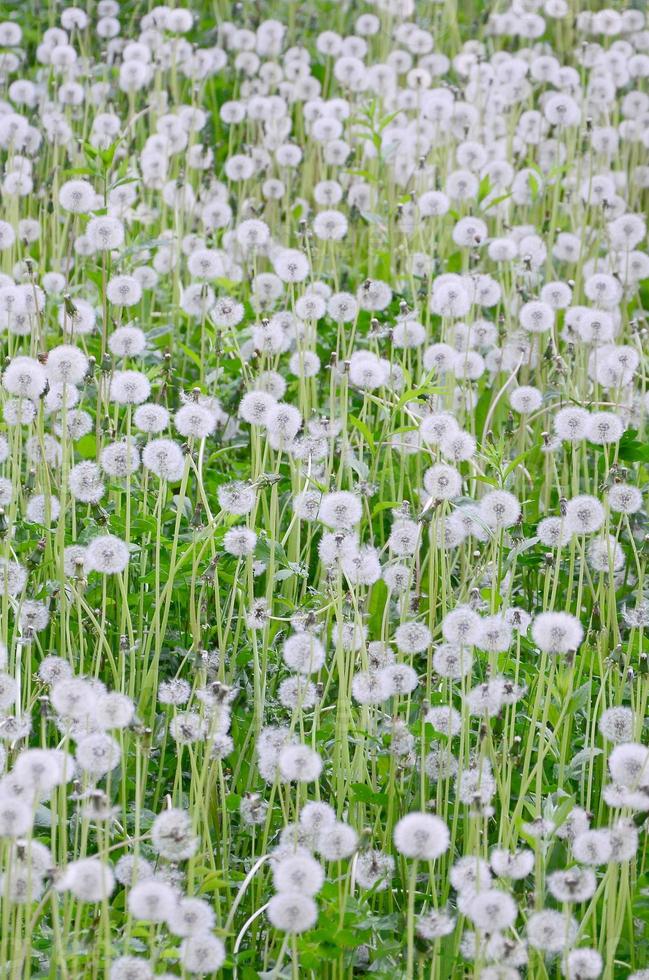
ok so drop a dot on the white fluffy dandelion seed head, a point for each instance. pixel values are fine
(131, 968)
(340, 509)
(470, 874)
(623, 498)
(120, 459)
(584, 514)
(593, 847)
(106, 554)
(367, 371)
(13, 577)
(573, 885)
(370, 687)
(399, 679)
(317, 815)
(492, 909)
(575, 823)
(330, 225)
(43, 509)
(442, 482)
(85, 482)
(495, 634)
(336, 841)
(583, 964)
(499, 509)
(553, 532)
(203, 953)
(536, 317)
(129, 388)
(421, 836)
(191, 916)
(298, 873)
(604, 428)
(151, 900)
(66, 364)
(514, 865)
(176, 691)
(188, 727)
(227, 312)
(304, 653)
(397, 578)
(434, 925)
(283, 421)
(297, 693)
(34, 616)
(452, 661)
(194, 421)
(97, 754)
(616, 724)
(8, 690)
(292, 912)
(458, 446)
(437, 426)
(305, 364)
(25, 378)
(151, 418)
(484, 700)
(89, 880)
(52, 669)
(239, 541)
(440, 763)
(412, 637)
(73, 697)
(571, 423)
(374, 870)
(114, 710)
(605, 554)
(629, 765)
(237, 497)
(16, 813)
(105, 233)
(526, 399)
(127, 342)
(550, 931)
(461, 626)
(77, 196)
(342, 307)
(299, 763)
(165, 458)
(557, 632)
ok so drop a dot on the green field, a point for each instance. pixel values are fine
(323, 470)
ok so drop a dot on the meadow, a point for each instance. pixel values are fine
(323, 490)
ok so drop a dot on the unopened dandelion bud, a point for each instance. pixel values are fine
(36, 556)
